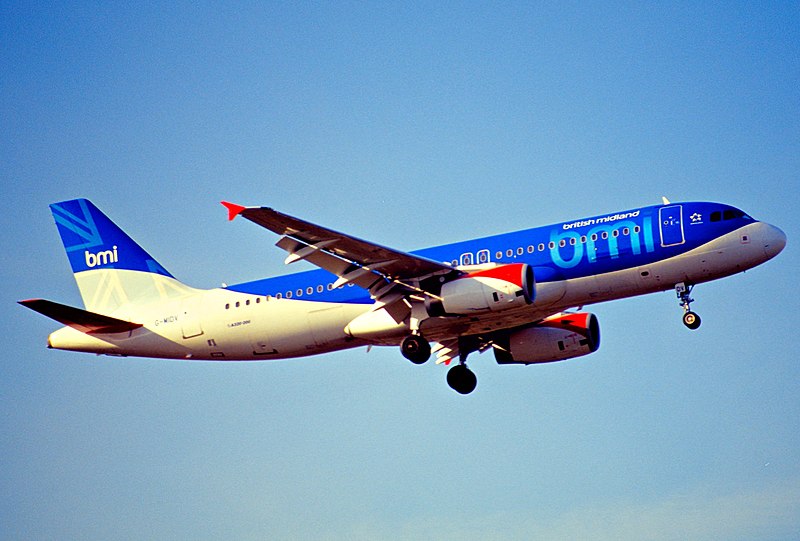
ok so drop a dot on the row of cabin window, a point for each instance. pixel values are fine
(562, 243)
(288, 295)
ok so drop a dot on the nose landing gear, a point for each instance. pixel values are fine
(690, 319)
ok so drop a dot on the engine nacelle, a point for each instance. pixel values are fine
(559, 337)
(491, 290)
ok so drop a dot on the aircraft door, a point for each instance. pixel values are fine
(190, 317)
(670, 223)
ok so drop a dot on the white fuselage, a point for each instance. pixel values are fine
(220, 324)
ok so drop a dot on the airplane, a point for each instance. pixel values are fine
(519, 294)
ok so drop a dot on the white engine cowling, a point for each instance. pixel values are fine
(491, 290)
(559, 337)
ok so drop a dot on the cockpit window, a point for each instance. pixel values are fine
(731, 214)
(728, 214)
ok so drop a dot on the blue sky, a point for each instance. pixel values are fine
(409, 125)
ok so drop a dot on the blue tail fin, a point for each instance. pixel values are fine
(112, 271)
(93, 241)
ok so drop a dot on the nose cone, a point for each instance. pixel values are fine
(773, 240)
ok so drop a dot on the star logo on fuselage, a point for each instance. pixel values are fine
(696, 218)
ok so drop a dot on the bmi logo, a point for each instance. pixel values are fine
(101, 258)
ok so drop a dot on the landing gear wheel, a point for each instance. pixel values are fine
(415, 348)
(691, 320)
(461, 379)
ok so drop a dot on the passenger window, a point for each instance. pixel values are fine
(299, 292)
(237, 304)
(551, 244)
(637, 229)
(615, 233)
(288, 294)
(278, 296)
(498, 255)
(572, 241)
(605, 235)
(562, 243)
(466, 259)
(320, 289)
(531, 249)
(520, 251)
(594, 237)
(626, 231)
(227, 306)
(541, 247)
(510, 252)
(247, 302)
(330, 287)
(583, 239)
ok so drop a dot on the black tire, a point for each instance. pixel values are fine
(461, 379)
(415, 348)
(691, 320)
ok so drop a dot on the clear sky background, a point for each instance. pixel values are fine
(409, 125)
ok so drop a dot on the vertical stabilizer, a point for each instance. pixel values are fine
(111, 269)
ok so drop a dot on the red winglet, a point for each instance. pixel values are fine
(233, 209)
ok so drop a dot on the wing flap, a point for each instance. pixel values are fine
(82, 320)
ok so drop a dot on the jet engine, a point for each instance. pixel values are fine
(556, 338)
(489, 290)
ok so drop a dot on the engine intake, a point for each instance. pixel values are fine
(490, 290)
(556, 338)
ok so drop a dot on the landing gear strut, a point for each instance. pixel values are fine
(690, 319)
(415, 348)
(460, 378)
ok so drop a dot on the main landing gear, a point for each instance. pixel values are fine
(415, 348)
(690, 319)
(418, 350)
(461, 379)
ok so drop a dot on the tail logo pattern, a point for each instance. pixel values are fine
(85, 233)
(101, 258)
(94, 242)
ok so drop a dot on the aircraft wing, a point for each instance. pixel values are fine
(377, 268)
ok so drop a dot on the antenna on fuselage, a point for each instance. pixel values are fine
(665, 200)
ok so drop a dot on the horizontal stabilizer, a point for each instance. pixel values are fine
(82, 320)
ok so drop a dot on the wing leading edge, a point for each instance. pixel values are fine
(383, 271)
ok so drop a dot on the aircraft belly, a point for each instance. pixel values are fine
(327, 325)
(284, 329)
